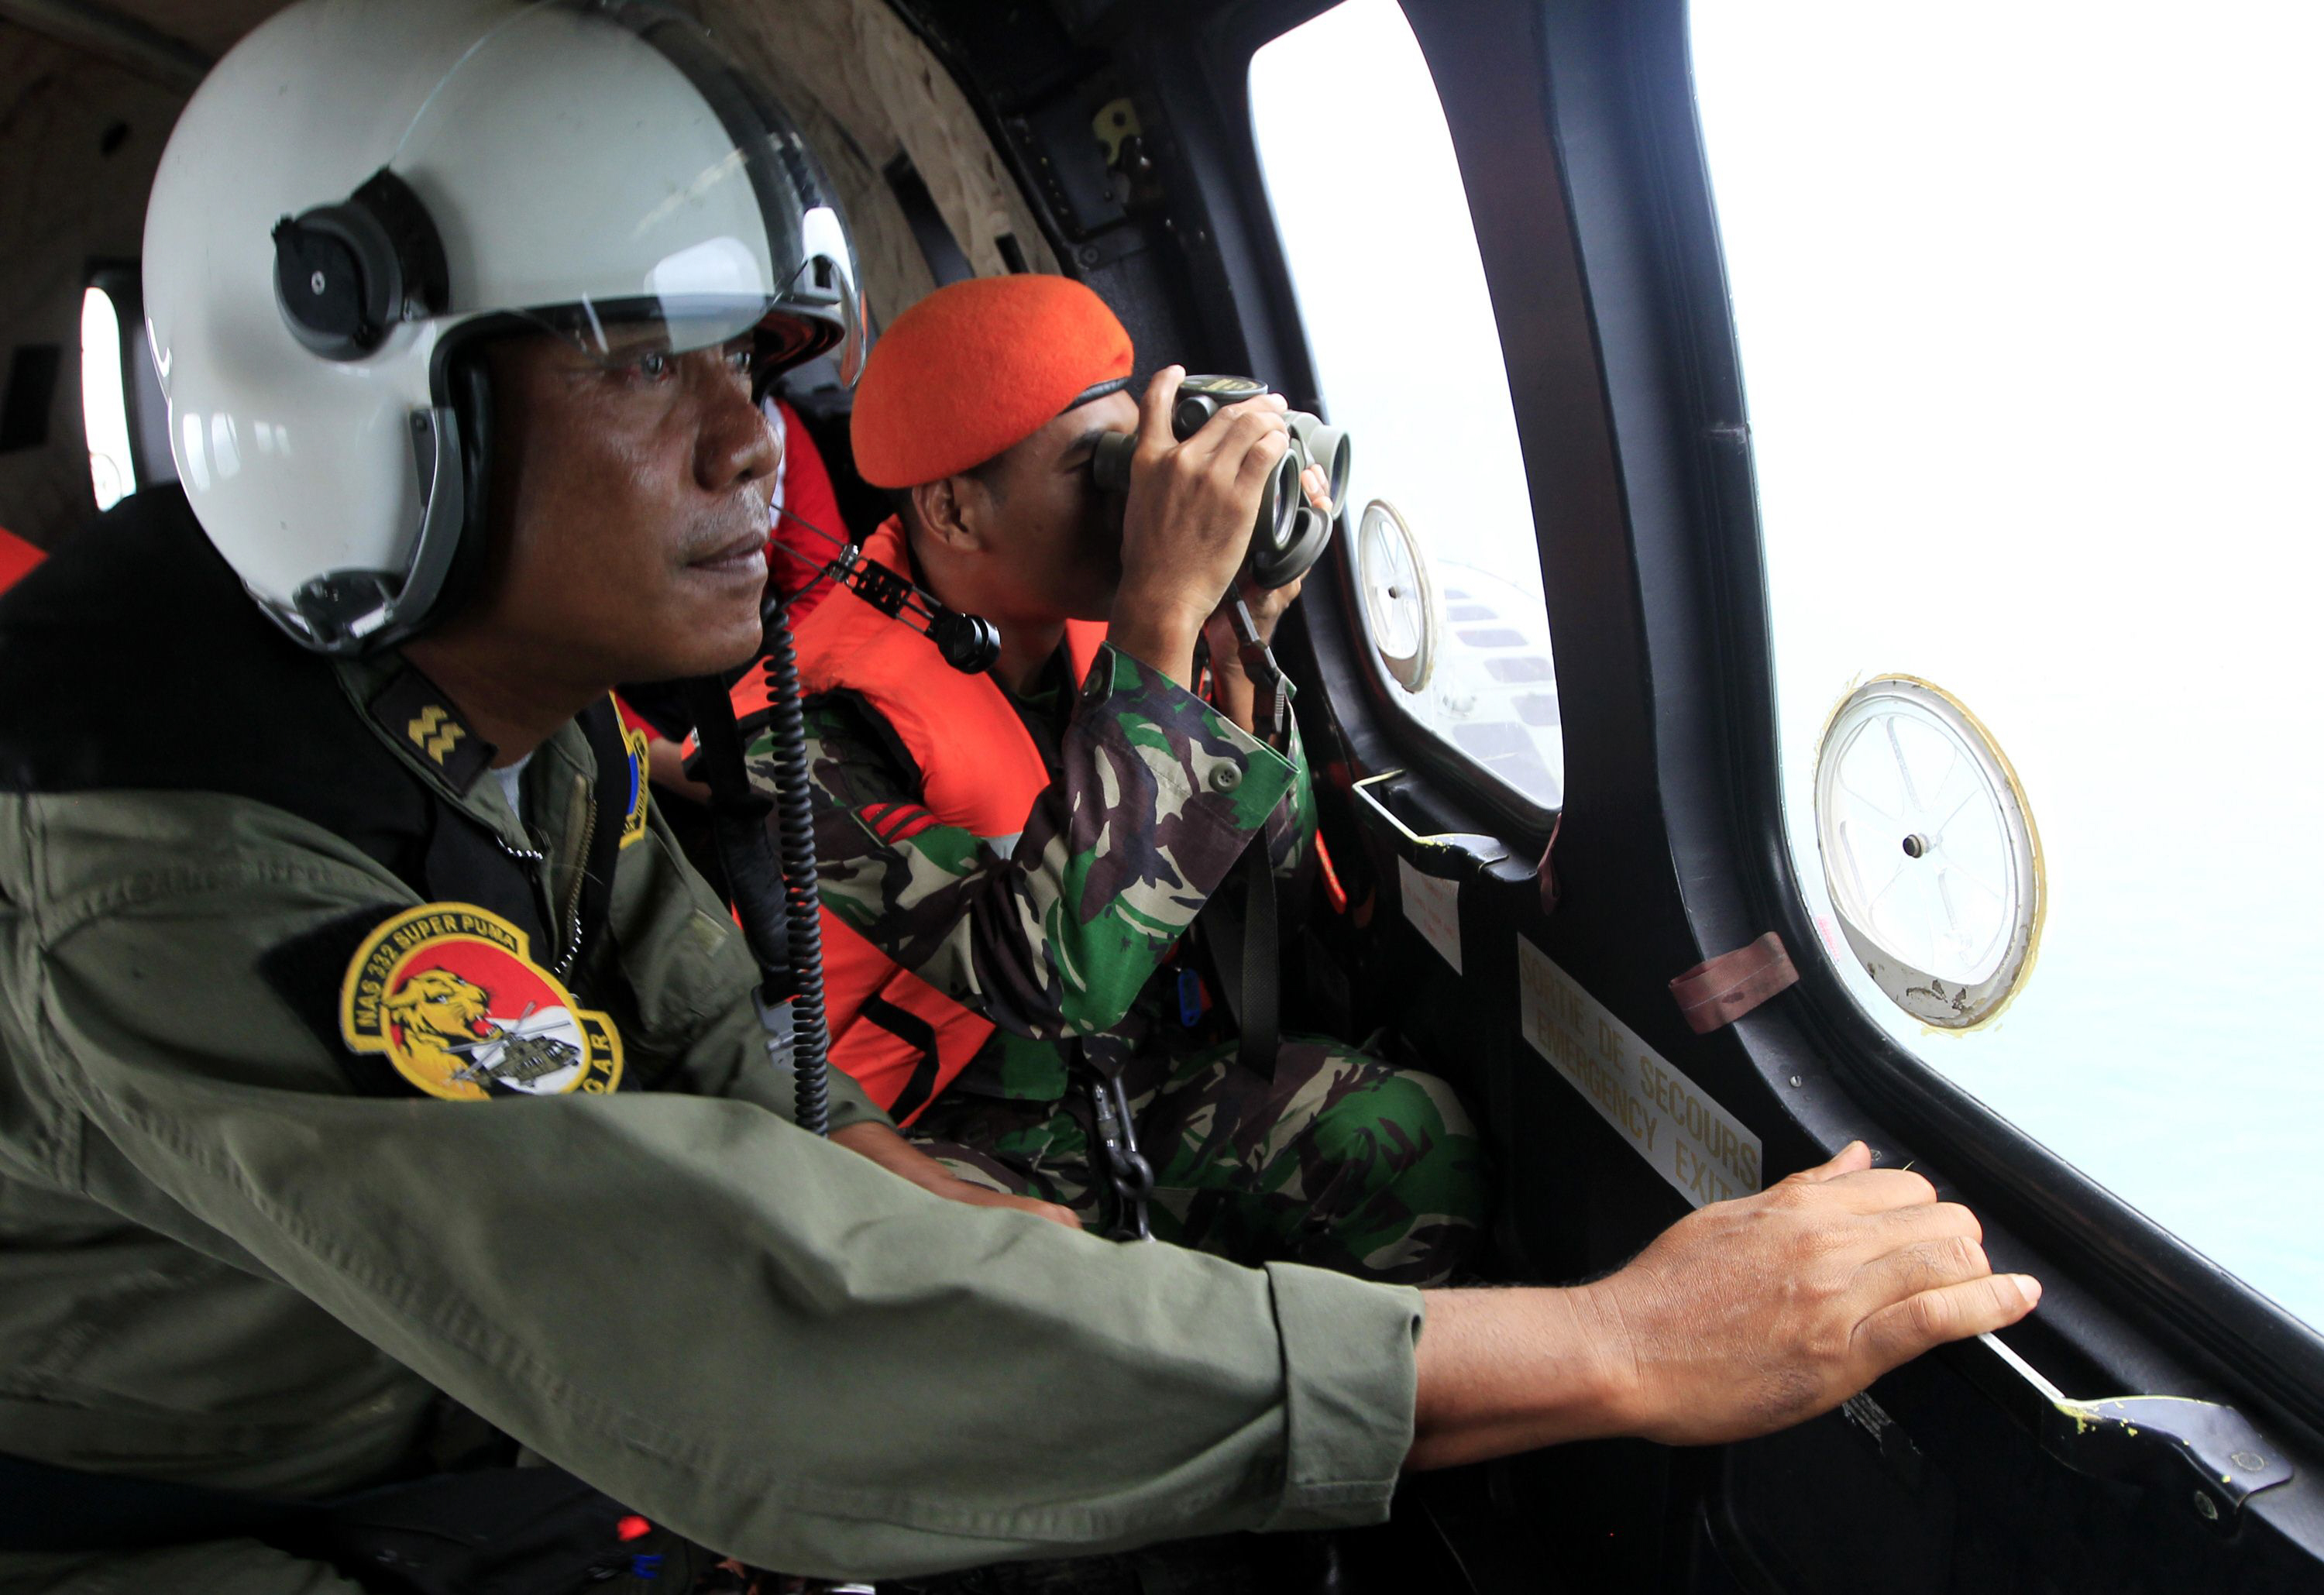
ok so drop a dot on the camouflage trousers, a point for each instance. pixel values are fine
(1339, 1159)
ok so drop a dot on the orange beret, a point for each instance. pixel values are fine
(974, 369)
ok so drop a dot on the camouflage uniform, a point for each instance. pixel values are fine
(1056, 935)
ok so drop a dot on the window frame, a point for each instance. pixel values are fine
(1562, 115)
(150, 464)
(93, 423)
(1262, 305)
(1431, 745)
(1638, 190)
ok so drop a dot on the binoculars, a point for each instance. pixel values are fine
(1291, 534)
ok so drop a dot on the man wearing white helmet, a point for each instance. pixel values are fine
(458, 306)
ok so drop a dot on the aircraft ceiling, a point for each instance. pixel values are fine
(210, 26)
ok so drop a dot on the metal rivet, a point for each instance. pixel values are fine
(316, 282)
(2204, 1506)
(2250, 1461)
(1226, 778)
(1795, 1080)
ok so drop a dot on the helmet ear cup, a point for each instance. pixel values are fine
(345, 274)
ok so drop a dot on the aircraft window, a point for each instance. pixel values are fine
(105, 400)
(2025, 301)
(1394, 304)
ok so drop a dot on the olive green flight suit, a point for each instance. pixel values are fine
(220, 1262)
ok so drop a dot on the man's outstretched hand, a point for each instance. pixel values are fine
(1742, 1318)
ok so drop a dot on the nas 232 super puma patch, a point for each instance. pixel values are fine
(451, 995)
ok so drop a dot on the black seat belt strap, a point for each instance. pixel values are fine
(1258, 1001)
(1241, 934)
(754, 881)
(1260, 1016)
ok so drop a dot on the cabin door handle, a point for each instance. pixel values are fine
(2209, 1455)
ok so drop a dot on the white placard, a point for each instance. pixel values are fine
(1434, 907)
(1692, 1141)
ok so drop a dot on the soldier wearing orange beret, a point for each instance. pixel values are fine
(1010, 861)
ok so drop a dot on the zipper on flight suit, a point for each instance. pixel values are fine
(573, 898)
(534, 860)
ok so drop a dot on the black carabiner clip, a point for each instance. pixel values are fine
(1127, 1170)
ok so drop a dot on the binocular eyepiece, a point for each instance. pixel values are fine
(1290, 534)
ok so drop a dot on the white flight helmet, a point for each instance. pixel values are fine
(364, 191)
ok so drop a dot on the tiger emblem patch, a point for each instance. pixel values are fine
(449, 994)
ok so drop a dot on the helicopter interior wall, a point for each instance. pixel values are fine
(207, 27)
(877, 93)
(79, 138)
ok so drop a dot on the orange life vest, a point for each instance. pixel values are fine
(902, 1039)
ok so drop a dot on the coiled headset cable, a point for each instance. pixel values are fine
(775, 892)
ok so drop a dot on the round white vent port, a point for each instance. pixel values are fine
(1930, 852)
(1400, 606)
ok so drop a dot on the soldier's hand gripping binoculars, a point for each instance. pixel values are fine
(1291, 534)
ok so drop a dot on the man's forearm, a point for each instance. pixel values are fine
(1161, 641)
(1503, 1372)
(1234, 696)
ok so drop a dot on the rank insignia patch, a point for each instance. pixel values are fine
(633, 823)
(411, 711)
(451, 995)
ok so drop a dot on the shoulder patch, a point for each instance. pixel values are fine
(633, 822)
(448, 994)
(420, 719)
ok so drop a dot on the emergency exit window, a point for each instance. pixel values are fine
(1375, 223)
(2027, 302)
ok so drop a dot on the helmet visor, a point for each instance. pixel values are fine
(606, 172)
